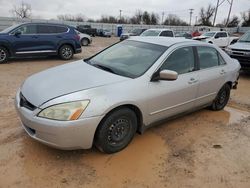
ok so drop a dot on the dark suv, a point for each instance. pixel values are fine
(42, 39)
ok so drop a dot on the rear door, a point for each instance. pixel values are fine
(211, 74)
(168, 98)
(220, 39)
(50, 36)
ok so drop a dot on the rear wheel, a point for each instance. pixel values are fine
(222, 98)
(4, 55)
(66, 52)
(116, 131)
(85, 42)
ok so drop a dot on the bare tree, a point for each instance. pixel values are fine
(22, 11)
(137, 18)
(69, 17)
(206, 15)
(246, 19)
(173, 19)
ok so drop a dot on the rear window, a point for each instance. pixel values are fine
(208, 57)
(167, 34)
(50, 29)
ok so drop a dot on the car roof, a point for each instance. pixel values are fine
(164, 41)
(160, 29)
(45, 23)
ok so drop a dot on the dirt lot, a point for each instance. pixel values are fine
(203, 149)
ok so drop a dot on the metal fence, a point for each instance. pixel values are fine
(8, 21)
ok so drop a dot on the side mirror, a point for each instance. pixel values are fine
(17, 33)
(168, 75)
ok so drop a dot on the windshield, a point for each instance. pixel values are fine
(7, 30)
(151, 33)
(245, 37)
(128, 58)
(209, 34)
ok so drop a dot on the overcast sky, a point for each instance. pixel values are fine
(49, 9)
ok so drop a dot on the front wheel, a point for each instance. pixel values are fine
(116, 131)
(4, 55)
(66, 52)
(222, 98)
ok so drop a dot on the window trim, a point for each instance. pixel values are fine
(217, 53)
(13, 31)
(157, 70)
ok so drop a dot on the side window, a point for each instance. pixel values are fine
(167, 34)
(61, 29)
(217, 35)
(181, 61)
(208, 57)
(47, 29)
(223, 34)
(27, 29)
(221, 60)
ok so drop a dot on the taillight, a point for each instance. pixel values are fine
(77, 37)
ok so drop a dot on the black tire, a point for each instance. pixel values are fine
(85, 42)
(4, 55)
(222, 98)
(116, 131)
(66, 52)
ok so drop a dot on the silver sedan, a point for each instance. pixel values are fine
(105, 99)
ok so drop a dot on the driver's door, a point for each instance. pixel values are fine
(168, 98)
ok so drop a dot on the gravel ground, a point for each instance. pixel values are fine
(202, 149)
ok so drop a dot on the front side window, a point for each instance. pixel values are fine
(128, 58)
(151, 33)
(208, 57)
(167, 34)
(181, 60)
(27, 29)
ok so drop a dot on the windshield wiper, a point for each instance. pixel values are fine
(103, 67)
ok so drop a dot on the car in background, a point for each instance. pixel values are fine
(104, 33)
(134, 32)
(184, 35)
(105, 99)
(241, 50)
(87, 29)
(85, 39)
(219, 38)
(39, 39)
(158, 32)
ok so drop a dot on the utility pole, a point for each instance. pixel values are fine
(216, 9)
(230, 9)
(120, 15)
(190, 12)
(162, 18)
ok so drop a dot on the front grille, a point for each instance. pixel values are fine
(25, 103)
(240, 50)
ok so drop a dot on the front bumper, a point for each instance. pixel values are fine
(67, 135)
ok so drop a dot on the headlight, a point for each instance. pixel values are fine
(65, 111)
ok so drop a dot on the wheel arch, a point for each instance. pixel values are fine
(132, 107)
(66, 43)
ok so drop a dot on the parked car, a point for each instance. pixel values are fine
(104, 33)
(85, 39)
(87, 29)
(184, 35)
(158, 32)
(129, 86)
(241, 50)
(219, 38)
(134, 32)
(30, 39)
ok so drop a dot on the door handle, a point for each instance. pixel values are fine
(222, 72)
(192, 81)
(34, 37)
(58, 36)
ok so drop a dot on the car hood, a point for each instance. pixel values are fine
(65, 79)
(241, 46)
